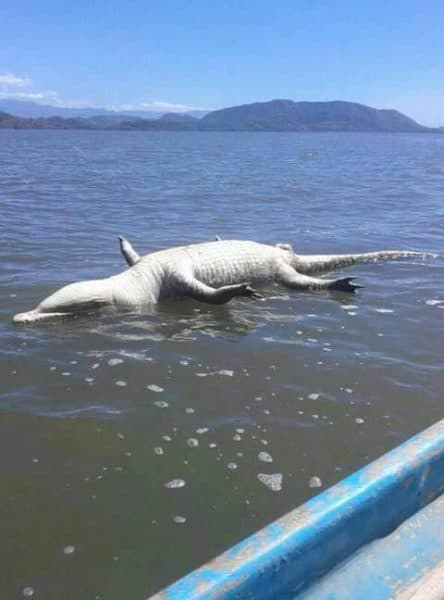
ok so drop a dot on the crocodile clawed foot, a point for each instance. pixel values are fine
(247, 291)
(346, 284)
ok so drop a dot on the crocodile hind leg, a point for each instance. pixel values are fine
(290, 278)
(188, 285)
(129, 254)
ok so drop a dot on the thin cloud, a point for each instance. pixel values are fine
(12, 84)
(40, 97)
(157, 106)
(47, 98)
(10, 80)
(52, 98)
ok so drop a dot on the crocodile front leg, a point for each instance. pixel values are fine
(188, 285)
(128, 252)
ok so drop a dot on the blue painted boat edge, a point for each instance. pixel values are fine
(393, 567)
(288, 555)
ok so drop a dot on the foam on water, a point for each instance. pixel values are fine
(265, 457)
(175, 484)
(315, 482)
(273, 482)
(154, 388)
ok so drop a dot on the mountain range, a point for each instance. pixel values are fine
(275, 115)
(34, 110)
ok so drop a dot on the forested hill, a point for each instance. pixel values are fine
(286, 115)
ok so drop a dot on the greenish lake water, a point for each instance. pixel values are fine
(98, 415)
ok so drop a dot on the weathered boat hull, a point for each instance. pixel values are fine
(331, 539)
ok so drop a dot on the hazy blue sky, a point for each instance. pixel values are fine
(213, 54)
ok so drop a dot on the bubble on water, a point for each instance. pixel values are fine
(35, 460)
(192, 442)
(114, 361)
(66, 373)
(240, 430)
(53, 368)
(384, 310)
(212, 445)
(313, 396)
(68, 550)
(434, 302)
(189, 411)
(28, 592)
(166, 438)
(184, 362)
(95, 366)
(226, 372)
(315, 482)
(89, 379)
(349, 306)
(237, 437)
(161, 404)
(175, 484)
(272, 482)
(120, 436)
(232, 466)
(202, 430)
(121, 383)
(154, 388)
(179, 519)
(265, 457)
(158, 450)
(359, 420)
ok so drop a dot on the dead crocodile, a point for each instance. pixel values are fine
(213, 272)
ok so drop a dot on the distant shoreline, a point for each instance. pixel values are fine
(425, 130)
(273, 116)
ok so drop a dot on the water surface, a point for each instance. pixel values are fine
(99, 416)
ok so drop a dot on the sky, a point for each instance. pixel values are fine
(194, 54)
